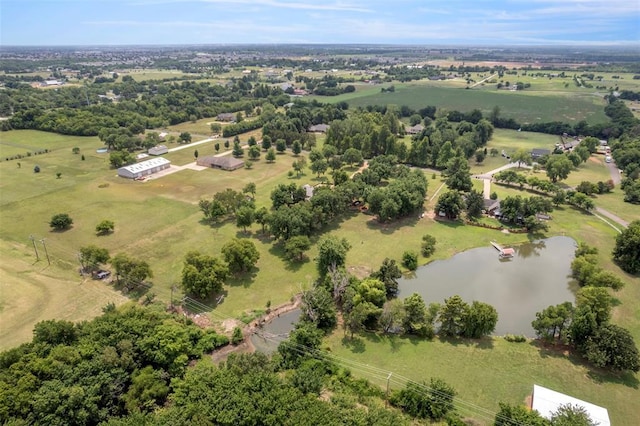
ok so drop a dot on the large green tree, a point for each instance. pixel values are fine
(202, 274)
(558, 167)
(130, 272)
(627, 249)
(451, 204)
(92, 257)
(457, 172)
(240, 254)
(332, 252)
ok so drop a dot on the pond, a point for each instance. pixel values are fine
(537, 276)
(275, 331)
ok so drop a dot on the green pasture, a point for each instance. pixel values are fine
(522, 106)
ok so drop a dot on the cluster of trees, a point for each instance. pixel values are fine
(147, 104)
(204, 275)
(404, 194)
(587, 326)
(119, 364)
(371, 303)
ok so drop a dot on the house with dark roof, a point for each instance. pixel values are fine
(539, 152)
(226, 162)
(319, 128)
(226, 116)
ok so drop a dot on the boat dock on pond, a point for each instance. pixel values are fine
(504, 252)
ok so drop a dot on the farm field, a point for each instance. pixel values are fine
(523, 106)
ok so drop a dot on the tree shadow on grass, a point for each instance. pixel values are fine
(598, 375)
(243, 279)
(133, 291)
(389, 228)
(481, 343)
(355, 344)
(394, 341)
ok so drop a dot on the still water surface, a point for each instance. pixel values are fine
(539, 275)
(275, 331)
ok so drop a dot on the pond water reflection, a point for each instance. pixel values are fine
(273, 332)
(537, 276)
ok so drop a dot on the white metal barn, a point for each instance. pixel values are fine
(144, 168)
(547, 401)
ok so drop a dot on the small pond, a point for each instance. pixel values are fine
(276, 331)
(537, 276)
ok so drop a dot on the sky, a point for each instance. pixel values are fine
(422, 22)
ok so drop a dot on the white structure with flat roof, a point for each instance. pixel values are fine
(546, 402)
(144, 168)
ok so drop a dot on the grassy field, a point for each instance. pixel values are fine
(509, 370)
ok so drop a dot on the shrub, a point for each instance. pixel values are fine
(410, 260)
(515, 338)
(237, 336)
(428, 245)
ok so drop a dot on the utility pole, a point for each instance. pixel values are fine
(386, 396)
(34, 247)
(45, 250)
(173, 287)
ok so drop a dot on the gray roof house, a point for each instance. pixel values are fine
(539, 152)
(226, 116)
(158, 150)
(226, 162)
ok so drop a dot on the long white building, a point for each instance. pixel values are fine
(144, 168)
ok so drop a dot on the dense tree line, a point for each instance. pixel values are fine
(142, 105)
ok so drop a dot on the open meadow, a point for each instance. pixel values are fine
(159, 221)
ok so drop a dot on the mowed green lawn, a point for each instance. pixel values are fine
(486, 372)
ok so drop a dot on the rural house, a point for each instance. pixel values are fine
(144, 168)
(539, 152)
(546, 402)
(226, 116)
(319, 128)
(225, 163)
(158, 150)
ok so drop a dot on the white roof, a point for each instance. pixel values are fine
(146, 165)
(547, 401)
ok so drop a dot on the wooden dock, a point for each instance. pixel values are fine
(503, 252)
